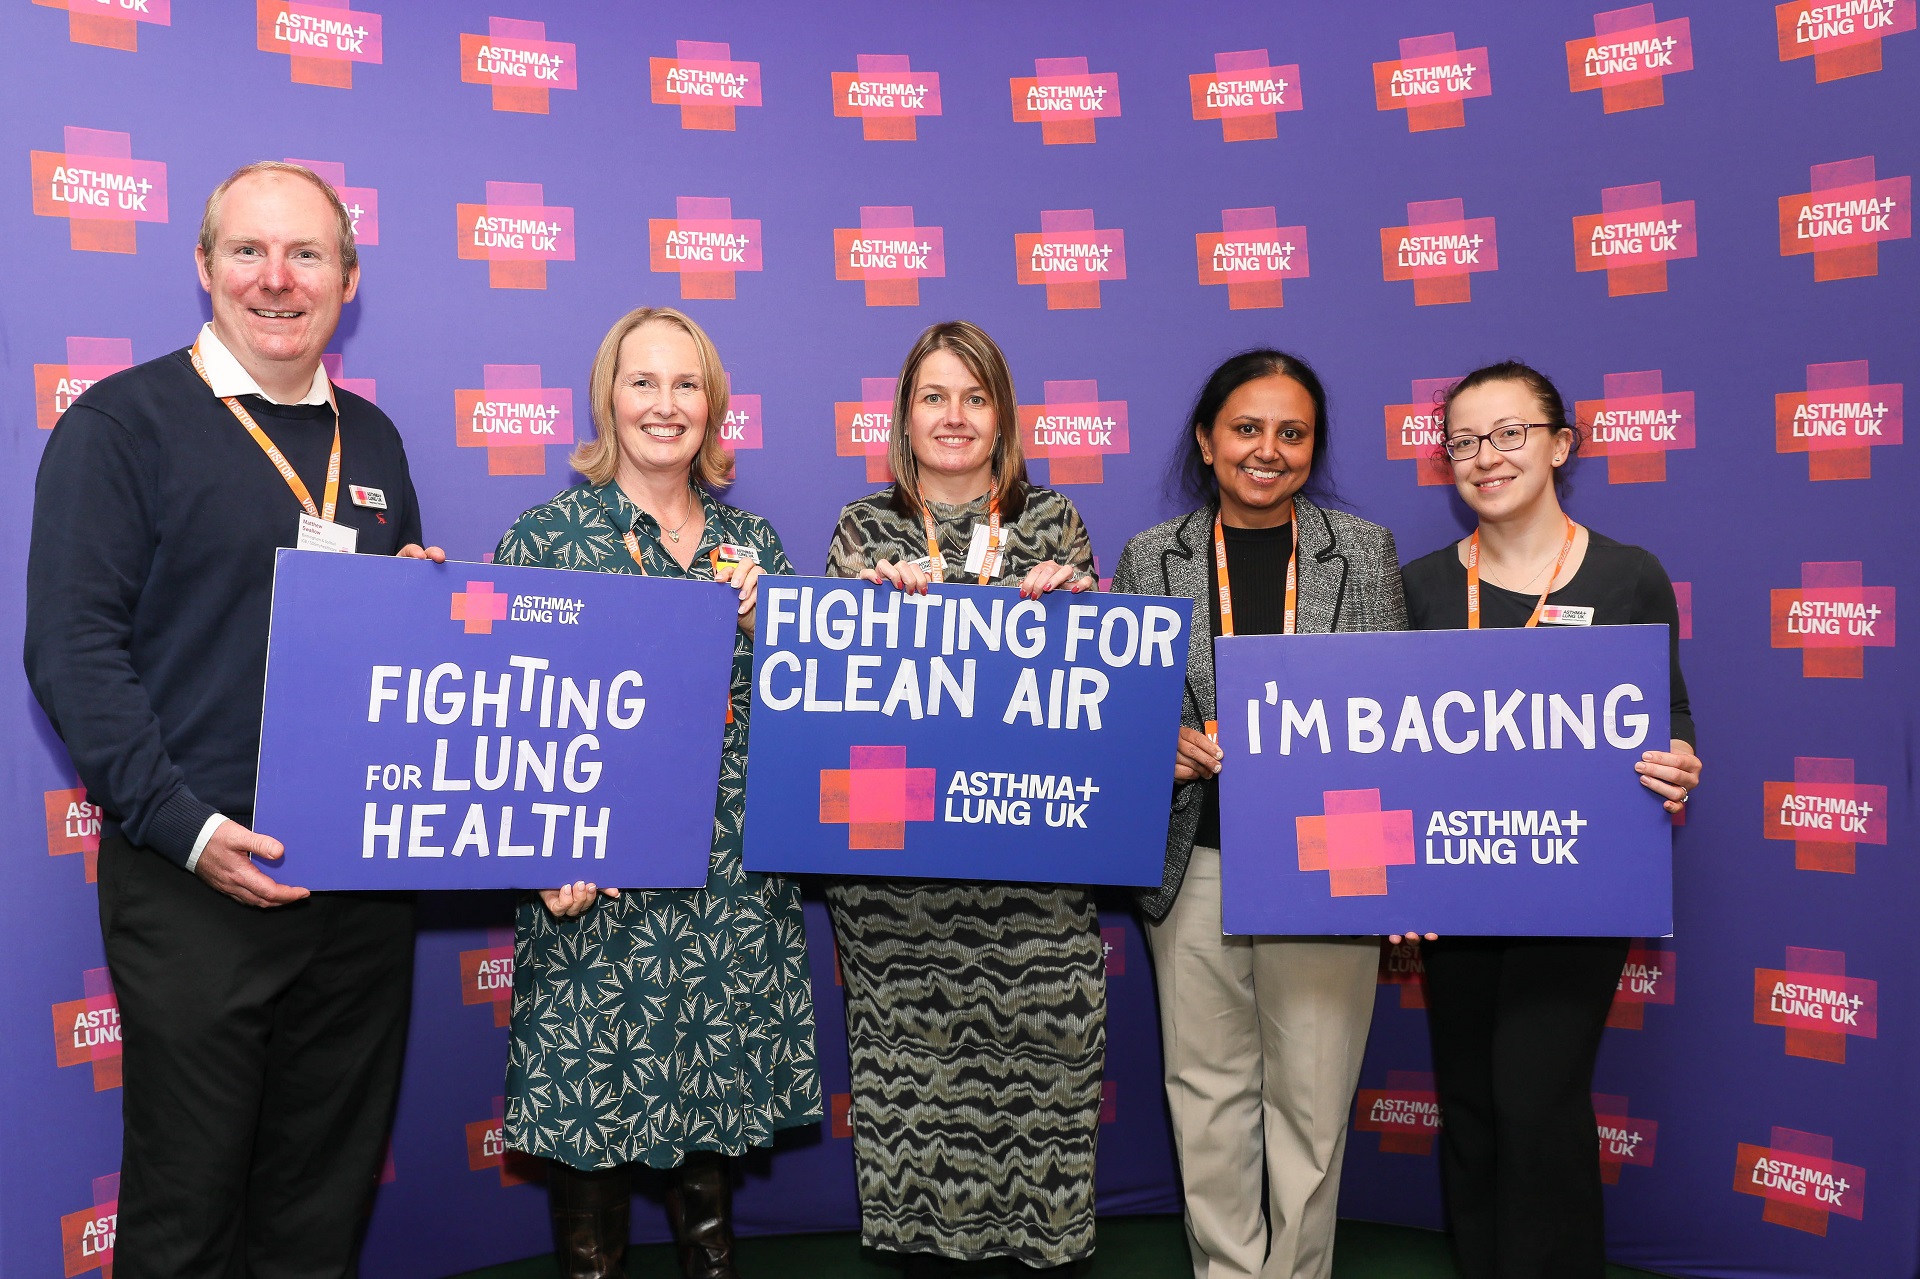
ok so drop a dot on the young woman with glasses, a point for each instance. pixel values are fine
(1516, 1021)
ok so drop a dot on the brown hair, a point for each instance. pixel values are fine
(1540, 386)
(598, 458)
(210, 216)
(983, 358)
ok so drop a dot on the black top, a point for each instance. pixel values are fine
(1257, 566)
(1624, 585)
(150, 581)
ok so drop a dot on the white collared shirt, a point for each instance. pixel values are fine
(230, 377)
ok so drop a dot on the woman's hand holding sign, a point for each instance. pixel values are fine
(1048, 575)
(1196, 756)
(1672, 775)
(746, 579)
(905, 574)
(573, 899)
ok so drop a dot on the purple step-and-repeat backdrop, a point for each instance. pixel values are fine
(1696, 215)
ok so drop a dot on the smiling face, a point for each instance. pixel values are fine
(1500, 486)
(659, 401)
(1260, 447)
(275, 278)
(951, 427)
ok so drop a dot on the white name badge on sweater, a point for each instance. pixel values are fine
(325, 535)
(371, 498)
(977, 559)
(1565, 615)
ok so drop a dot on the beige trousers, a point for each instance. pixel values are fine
(1262, 1039)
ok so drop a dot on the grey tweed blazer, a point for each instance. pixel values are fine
(1349, 581)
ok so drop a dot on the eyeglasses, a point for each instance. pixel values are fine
(1507, 439)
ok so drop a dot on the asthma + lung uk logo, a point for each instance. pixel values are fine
(1354, 841)
(1825, 813)
(86, 1031)
(1406, 1113)
(86, 1236)
(864, 427)
(1071, 257)
(1843, 39)
(887, 96)
(1066, 99)
(514, 418)
(322, 41)
(1634, 424)
(102, 191)
(875, 796)
(1073, 430)
(705, 244)
(890, 254)
(1623, 1139)
(73, 826)
(1817, 1003)
(1801, 1181)
(1252, 254)
(522, 65)
(1839, 420)
(1633, 237)
(57, 386)
(486, 973)
(1431, 81)
(111, 24)
(363, 203)
(1833, 617)
(1844, 219)
(487, 1148)
(1646, 978)
(704, 81)
(1402, 965)
(1245, 93)
(1628, 57)
(516, 233)
(1413, 431)
(1439, 249)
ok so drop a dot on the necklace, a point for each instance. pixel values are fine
(674, 532)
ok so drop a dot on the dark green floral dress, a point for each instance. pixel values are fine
(666, 1021)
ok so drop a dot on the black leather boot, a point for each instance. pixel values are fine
(700, 1210)
(590, 1218)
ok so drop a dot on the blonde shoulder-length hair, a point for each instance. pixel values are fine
(982, 357)
(599, 458)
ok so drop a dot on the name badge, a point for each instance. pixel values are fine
(325, 535)
(1565, 615)
(978, 561)
(372, 499)
(729, 553)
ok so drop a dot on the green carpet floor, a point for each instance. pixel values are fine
(1129, 1248)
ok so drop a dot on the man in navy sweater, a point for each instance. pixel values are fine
(262, 1026)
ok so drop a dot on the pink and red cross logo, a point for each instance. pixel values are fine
(1800, 1179)
(1633, 425)
(88, 1030)
(1431, 81)
(86, 1237)
(1833, 618)
(1066, 99)
(1646, 978)
(1252, 254)
(875, 796)
(1817, 1003)
(1413, 431)
(1628, 57)
(57, 386)
(1244, 93)
(100, 189)
(1825, 813)
(363, 203)
(1842, 40)
(1073, 430)
(516, 233)
(336, 366)
(487, 1148)
(890, 253)
(521, 64)
(864, 427)
(486, 975)
(1623, 1139)
(479, 606)
(73, 826)
(513, 418)
(1403, 966)
(111, 24)
(704, 81)
(1354, 841)
(1439, 250)
(323, 40)
(887, 96)
(1843, 219)
(1633, 237)
(1839, 420)
(1406, 1113)
(743, 424)
(705, 244)
(1071, 257)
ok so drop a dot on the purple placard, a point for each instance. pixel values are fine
(1446, 781)
(480, 726)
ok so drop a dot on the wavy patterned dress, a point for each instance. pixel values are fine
(976, 1012)
(666, 1021)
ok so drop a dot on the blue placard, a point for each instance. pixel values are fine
(965, 733)
(1464, 782)
(480, 726)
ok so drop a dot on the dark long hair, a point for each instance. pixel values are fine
(1190, 477)
(1541, 387)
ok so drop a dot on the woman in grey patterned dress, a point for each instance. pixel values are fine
(670, 1029)
(976, 1012)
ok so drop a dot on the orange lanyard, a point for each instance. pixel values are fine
(326, 509)
(633, 549)
(937, 563)
(1226, 589)
(1473, 576)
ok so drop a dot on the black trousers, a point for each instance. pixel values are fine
(1516, 1024)
(261, 1056)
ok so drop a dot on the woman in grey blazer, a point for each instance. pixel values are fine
(1262, 1036)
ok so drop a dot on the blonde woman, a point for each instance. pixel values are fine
(976, 1012)
(666, 1028)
